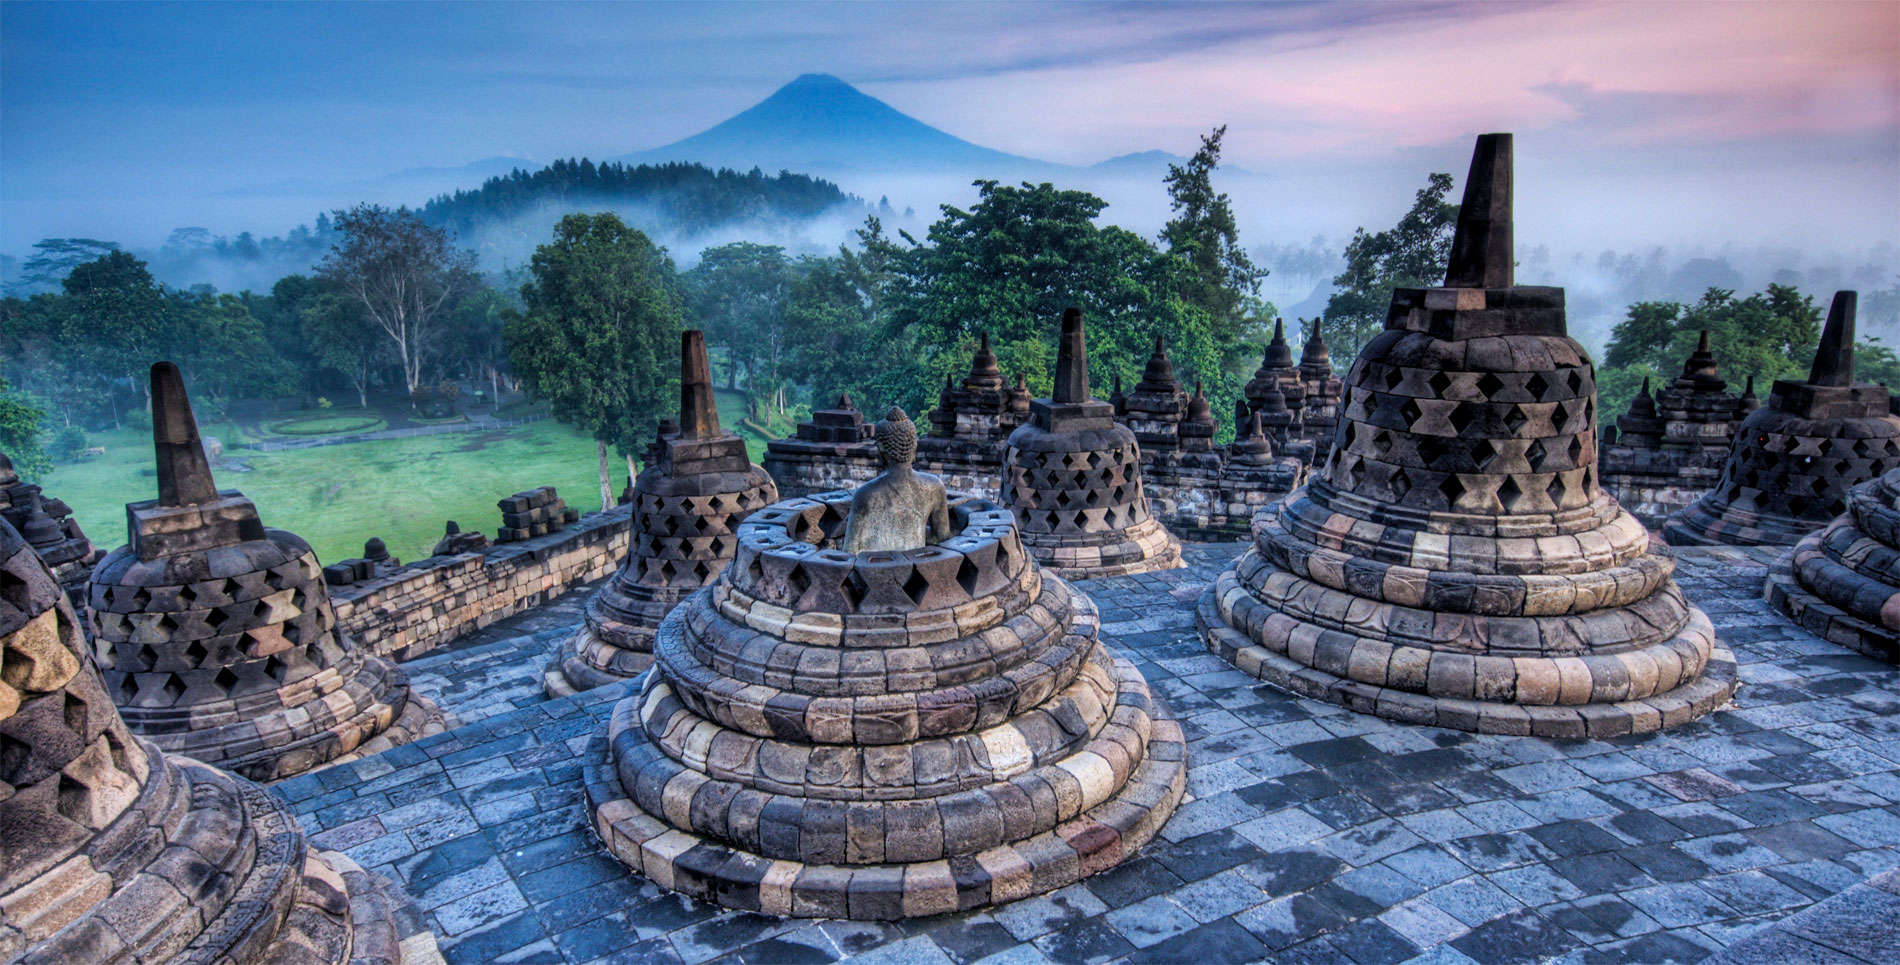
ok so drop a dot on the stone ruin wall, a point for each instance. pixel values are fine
(433, 602)
(1654, 484)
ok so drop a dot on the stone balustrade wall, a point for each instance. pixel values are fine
(433, 602)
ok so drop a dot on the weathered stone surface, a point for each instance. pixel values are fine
(1455, 561)
(219, 636)
(1669, 449)
(114, 851)
(867, 730)
(49, 527)
(1072, 475)
(1843, 581)
(1794, 460)
(687, 506)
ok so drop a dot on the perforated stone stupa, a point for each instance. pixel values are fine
(1073, 477)
(113, 851)
(1842, 582)
(49, 527)
(1794, 459)
(883, 735)
(687, 506)
(1670, 447)
(1455, 563)
(219, 633)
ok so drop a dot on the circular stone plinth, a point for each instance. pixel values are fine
(1843, 582)
(883, 735)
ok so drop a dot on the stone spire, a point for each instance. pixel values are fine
(1279, 353)
(1481, 250)
(1834, 357)
(984, 373)
(1793, 461)
(1072, 361)
(1315, 359)
(184, 475)
(1699, 369)
(699, 412)
(1748, 402)
(1159, 375)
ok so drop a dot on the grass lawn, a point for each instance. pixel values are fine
(338, 496)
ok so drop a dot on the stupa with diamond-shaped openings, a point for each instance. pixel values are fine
(112, 850)
(218, 636)
(687, 506)
(1794, 460)
(1455, 562)
(1072, 474)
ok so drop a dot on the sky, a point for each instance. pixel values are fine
(1680, 123)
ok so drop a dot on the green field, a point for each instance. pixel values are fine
(338, 496)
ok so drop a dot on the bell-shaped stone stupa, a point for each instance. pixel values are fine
(1456, 563)
(926, 726)
(1794, 459)
(49, 527)
(1072, 474)
(687, 506)
(113, 851)
(221, 640)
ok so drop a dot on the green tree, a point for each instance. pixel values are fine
(22, 422)
(1221, 279)
(1411, 254)
(115, 317)
(738, 294)
(1010, 264)
(55, 258)
(1769, 335)
(598, 337)
(403, 274)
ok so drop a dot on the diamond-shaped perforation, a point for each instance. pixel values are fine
(225, 680)
(1537, 385)
(1440, 382)
(1515, 419)
(1451, 489)
(916, 586)
(1482, 452)
(1559, 416)
(1489, 384)
(1535, 454)
(1410, 413)
(1400, 483)
(1462, 416)
(1508, 493)
(855, 588)
(1556, 489)
(1393, 377)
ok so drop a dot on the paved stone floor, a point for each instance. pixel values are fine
(1311, 833)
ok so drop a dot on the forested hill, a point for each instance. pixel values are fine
(678, 200)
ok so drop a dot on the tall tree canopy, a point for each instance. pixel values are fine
(737, 294)
(22, 422)
(599, 336)
(1411, 254)
(1222, 280)
(403, 274)
(1769, 335)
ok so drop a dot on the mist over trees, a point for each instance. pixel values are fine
(395, 307)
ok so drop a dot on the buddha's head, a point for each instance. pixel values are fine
(896, 438)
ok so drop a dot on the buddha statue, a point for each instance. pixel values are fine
(900, 508)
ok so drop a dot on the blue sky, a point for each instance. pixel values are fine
(1760, 121)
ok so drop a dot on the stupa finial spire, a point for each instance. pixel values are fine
(699, 413)
(1481, 250)
(184, 474)
(1834, 357)
(1072, 360)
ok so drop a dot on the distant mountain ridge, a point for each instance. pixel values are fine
(818, 122)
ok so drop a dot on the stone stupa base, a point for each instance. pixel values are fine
(602, 650)
(1054, 824)
(1144, 547)
(1697, 525)
(1784, 590)
(1357, 673)
(356, 718)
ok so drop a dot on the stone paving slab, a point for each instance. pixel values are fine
(1310, 832)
